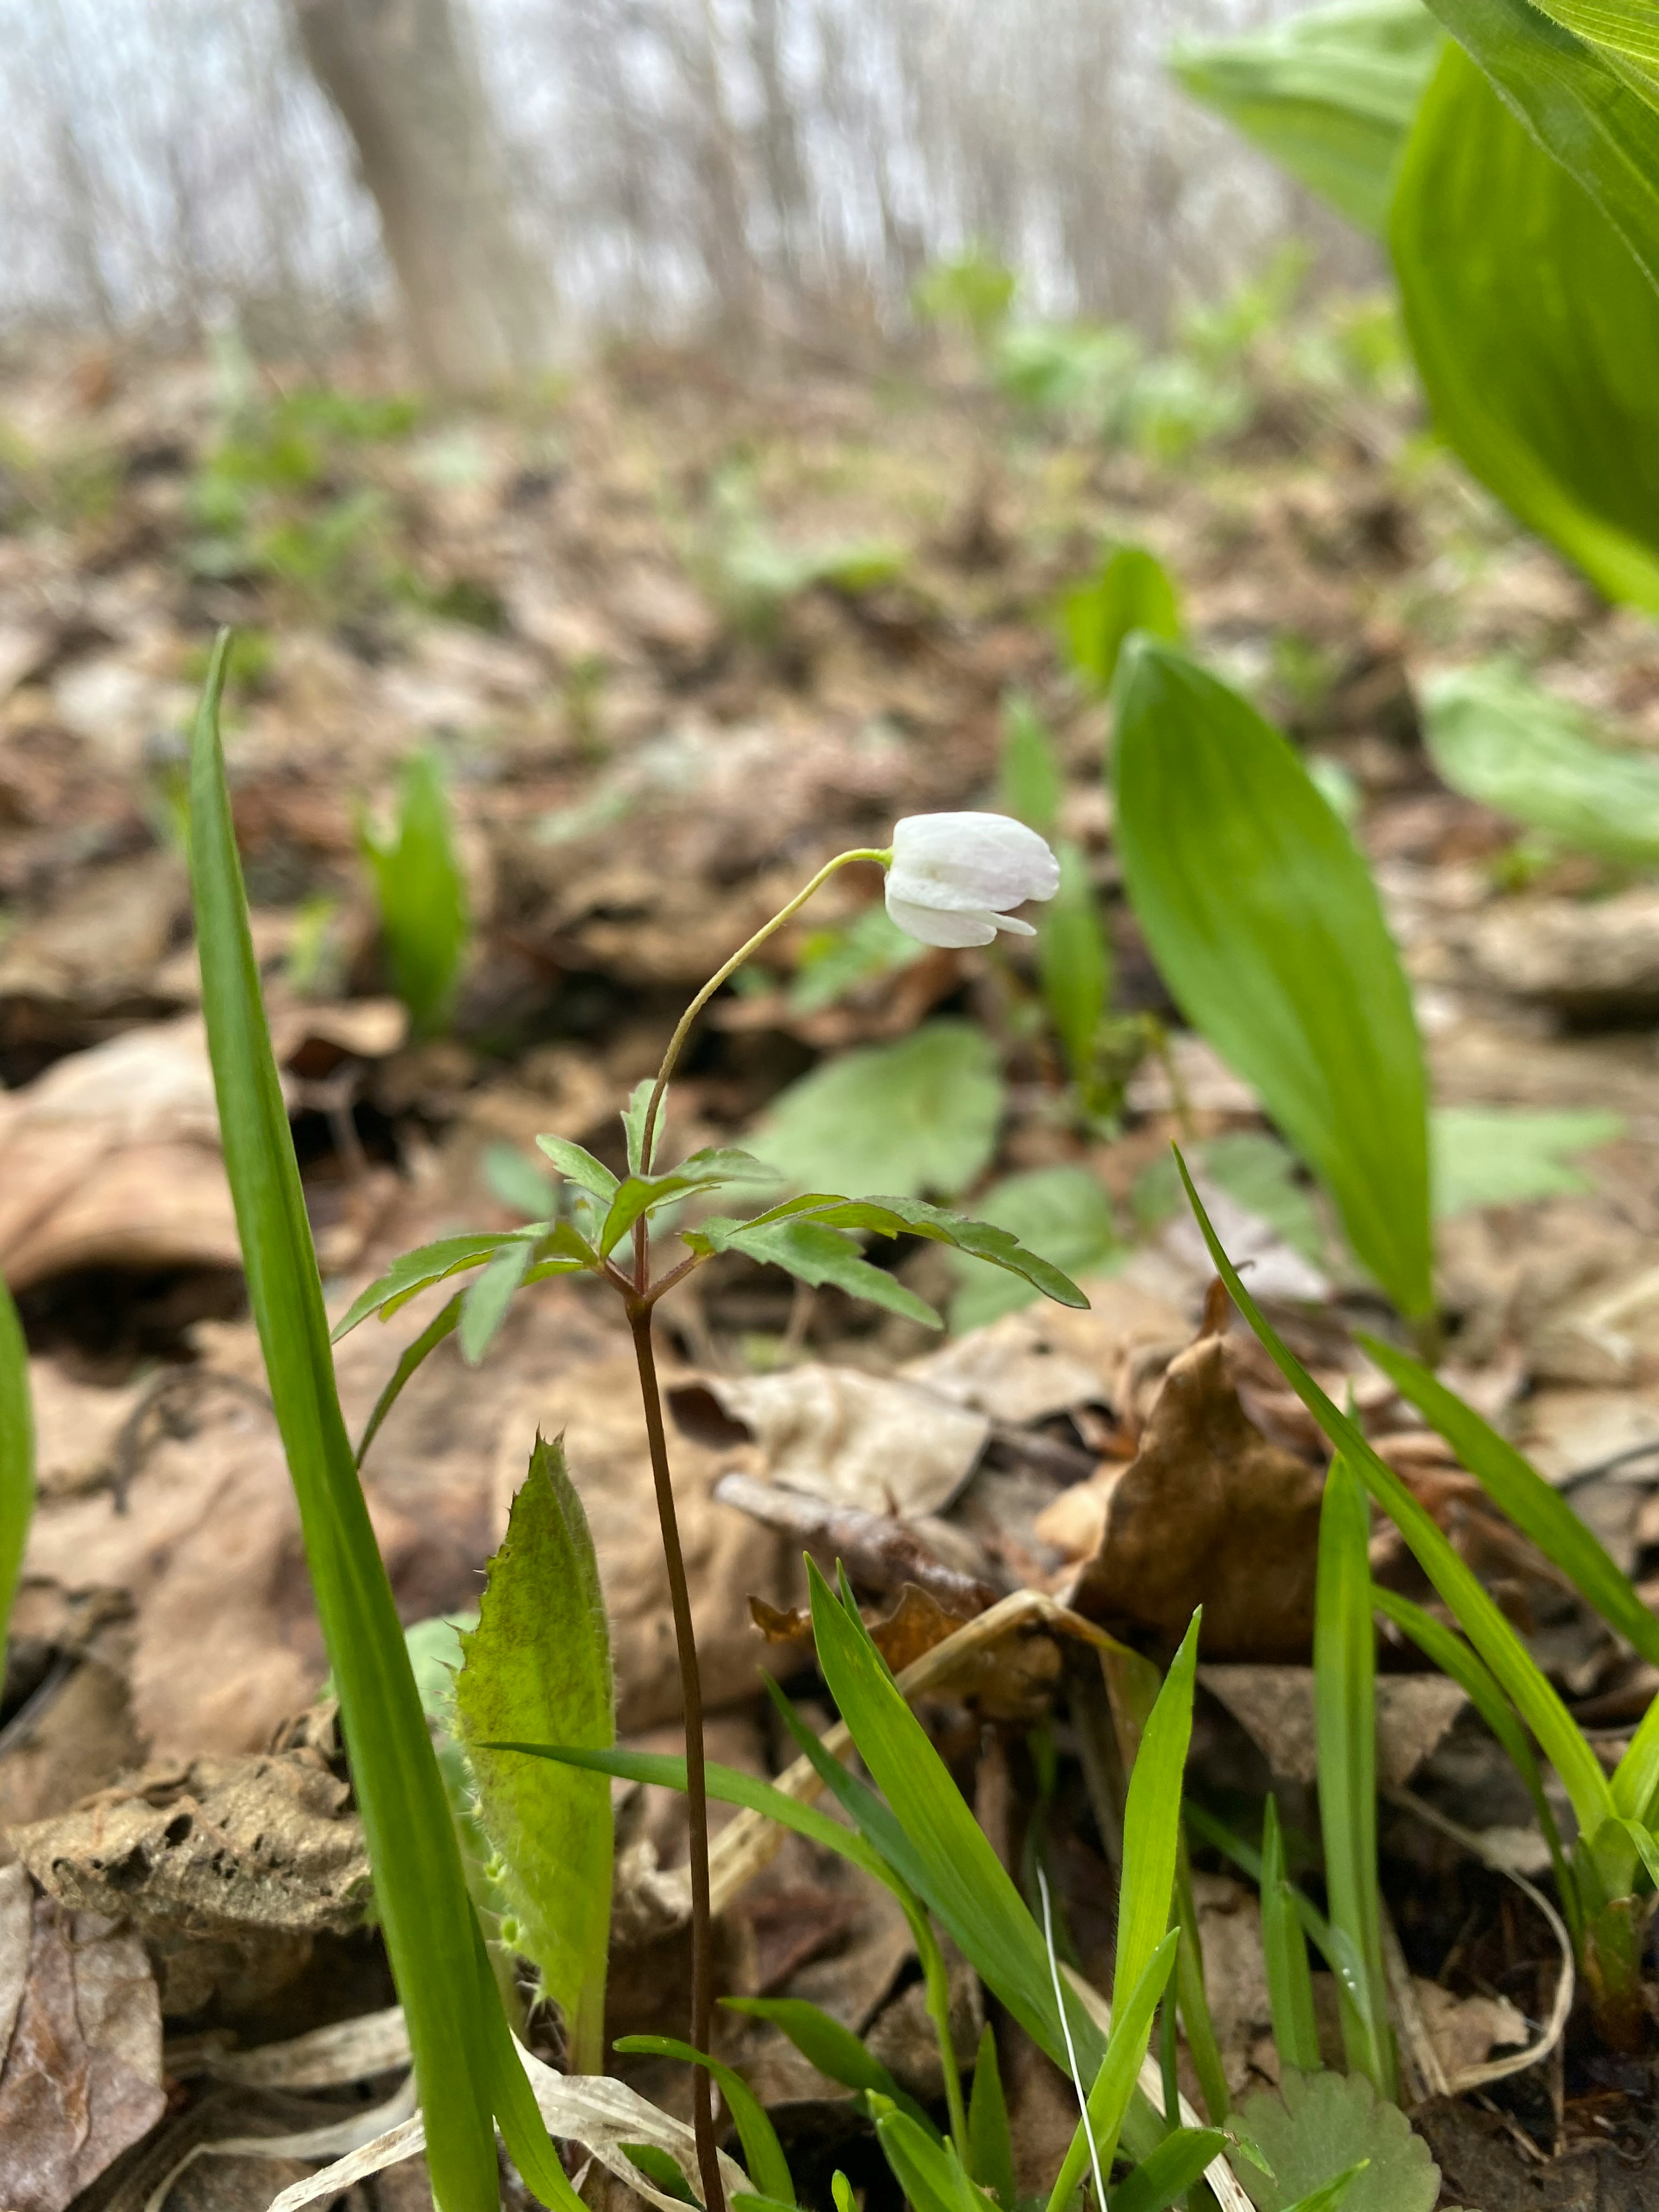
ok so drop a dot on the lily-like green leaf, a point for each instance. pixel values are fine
(1132, 592)
(1264, 923)
(1074, 961)
(763, 2153)
(16, 1457)
(422, 894)
(538, 1664)
(1033, 781)
(437, 1955)
(1544, 389)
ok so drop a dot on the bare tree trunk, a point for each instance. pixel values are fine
(403, 75)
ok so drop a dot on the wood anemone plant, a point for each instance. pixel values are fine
(952, 879)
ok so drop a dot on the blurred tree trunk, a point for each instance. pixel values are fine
(407, 84)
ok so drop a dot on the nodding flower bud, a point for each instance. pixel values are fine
(954, 878)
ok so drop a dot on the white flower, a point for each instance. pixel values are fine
(954, 877)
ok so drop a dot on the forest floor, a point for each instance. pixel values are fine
(678, 636)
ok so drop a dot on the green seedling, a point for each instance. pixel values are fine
(422, 894)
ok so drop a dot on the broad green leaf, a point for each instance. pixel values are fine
(1062, 1214)
(421, 896)
(1508, 1155)
(485, 1300)
(990, 2144)
(1115, 2081)
(580, 1167)
(1629, 27)
(414, 1356)
(1330, 93)
(1589, 102)
(815, 1255)
(1284, 1954)
(1032, 781)
(1517, 1673)
(538, 1664)
(1316, 2129)
(1266, 925)
(1543, 388)
(432, 1937)
(1497, 737)
(834, 962)
(1131, 591)
(763, 2153)
(931, 2173)
(16, 1457)
(823, 2042)
(1164, 2178)
(1074, 961)
(1152, 1823)
(414, 1272)
(1344, 1731)
(919, 1114)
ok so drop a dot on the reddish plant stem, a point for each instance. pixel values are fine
(696, 1794)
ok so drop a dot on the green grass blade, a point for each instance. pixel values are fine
(1164, 2178)
(16, 1457)
(930, 2173)
(422, 894)
(431, 1933)
(1120, 2070)
(1312, 1922)
(1330, 2195)
(1285, 1952)
(834, 2050)
(1194, 2005)
(763, 2153)
(1522, 1680)
(1152, 1823)
(1344, 1726)
(414, 1356)
(990, 2143)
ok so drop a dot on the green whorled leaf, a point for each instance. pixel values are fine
(456, 2026)
(1544, 389)
(1329, 93)
(539, 1665)
(763, 2153)
(1345, 1730)
(1032, 782)
(1131, 591)
(1592, 104)
(823, 2042)
(1523, 1496)
(16, 1457)
(1518, 1675)
(1120, 2070)
(1164, 2178)
(413, 1357)
(931, 2173)
(1152, 1823)
(1284, 1955)
(422, 894)
(487, 1297)
(414, 1272)
(1509, 1155)
(1497, 736)
(1266, 925)
(1074, 962)
(835, 963)
(919, 1116)
(815, 1255)
(1062, 1214)
(580, 1167)
(709, 1170)
(1316, 2129)
(990, 2143)
(891, 1215)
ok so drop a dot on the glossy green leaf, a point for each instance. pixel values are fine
(1284, 1954)
(413, 1357)
(1517, 1674)
(1535, 331)
(1074, 962)
(919, 1116)
(1131, 591)
(1115, 2082)
(1063, 1215)
(431, 1933)
(578, 1166)
(763, 2153)
(1164, 2178)
(1329, 93)
(990, 2143)
(16, 1457)
(823, 2042)
(422, 894)
(1266, 925)
(1497, 736)
(1032, 782)
(538, 1665)
(1511, 1155)
(1345, 1733)
(1590, 104)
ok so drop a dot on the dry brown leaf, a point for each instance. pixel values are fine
(80, 2046)
(878, 1552)
(1208, 1513)
(1047, 1359)
(1274, 1706)
(1466, 2031)
(917, 1623)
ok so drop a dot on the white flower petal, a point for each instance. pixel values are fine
(1013, 926)
(933, 925)
(989, 859)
